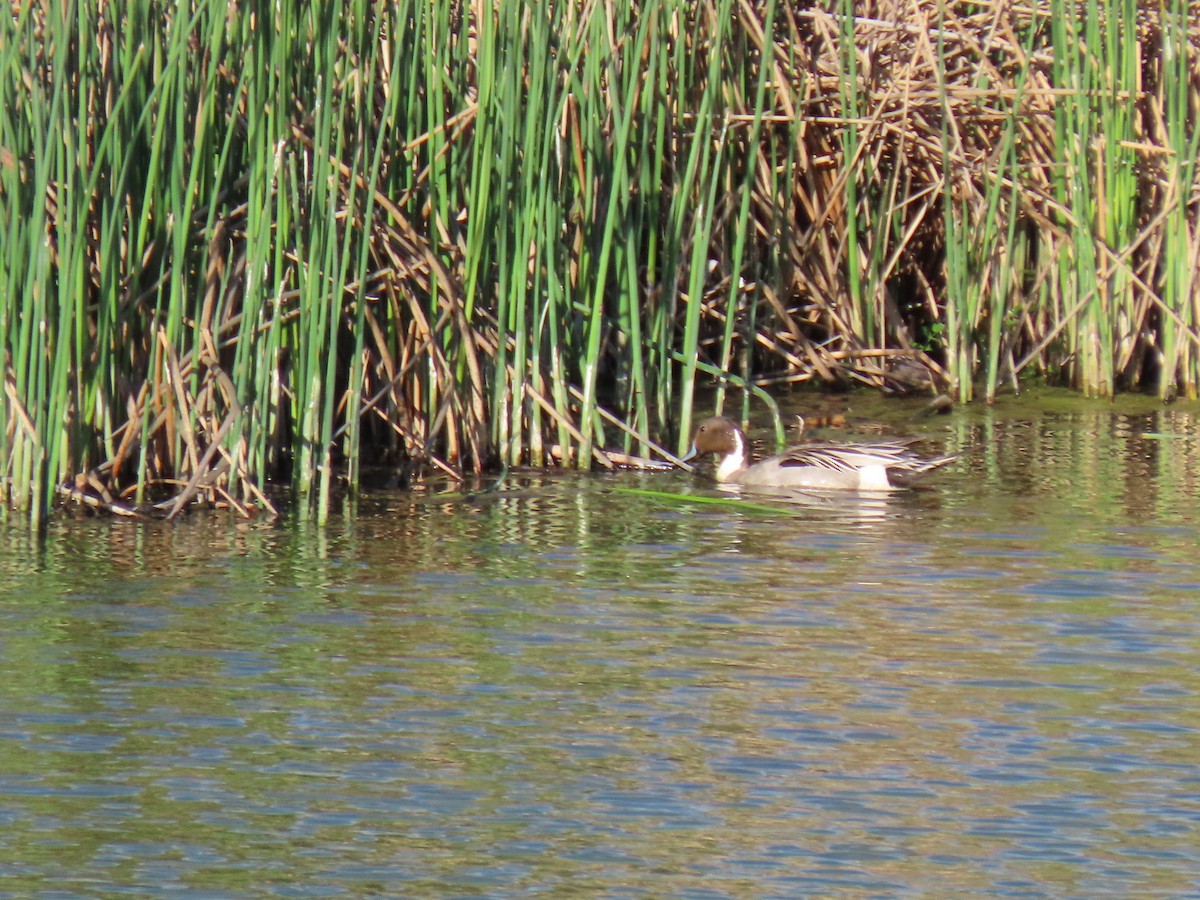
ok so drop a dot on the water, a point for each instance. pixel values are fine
(983, 687)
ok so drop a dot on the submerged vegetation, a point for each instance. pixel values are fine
(437, 235)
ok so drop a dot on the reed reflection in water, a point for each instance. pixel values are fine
(986, 685)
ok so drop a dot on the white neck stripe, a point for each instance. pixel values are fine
(733, 461)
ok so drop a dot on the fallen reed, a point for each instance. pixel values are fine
(240, 251)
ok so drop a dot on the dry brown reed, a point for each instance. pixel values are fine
(934, 89)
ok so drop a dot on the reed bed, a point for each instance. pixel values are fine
(241, 252)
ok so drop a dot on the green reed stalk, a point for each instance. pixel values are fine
(11, 218)
(960, 308)
(1119, 182)
(67, 380)
(1074, 72)
(504, 222)
(740, 237)
(32, 327)
(861, 308)
(526, 233)
(1000, 217)
(614, 212)
(979, 277)
(701, 165)
(323, 276)
(353, 415)
(645, 309)
(272, 206)
(1177, 276)
(783, 144)
(660, 276)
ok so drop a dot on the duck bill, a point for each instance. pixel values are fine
(690, 455)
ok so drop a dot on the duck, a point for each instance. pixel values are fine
(818, 465)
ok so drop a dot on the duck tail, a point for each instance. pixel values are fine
(930, 463)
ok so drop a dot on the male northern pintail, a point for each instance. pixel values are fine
(861, 467)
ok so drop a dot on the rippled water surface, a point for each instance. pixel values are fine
(987, 685)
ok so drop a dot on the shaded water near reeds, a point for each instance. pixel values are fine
(989, 685)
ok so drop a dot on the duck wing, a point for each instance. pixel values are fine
(853, 457)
